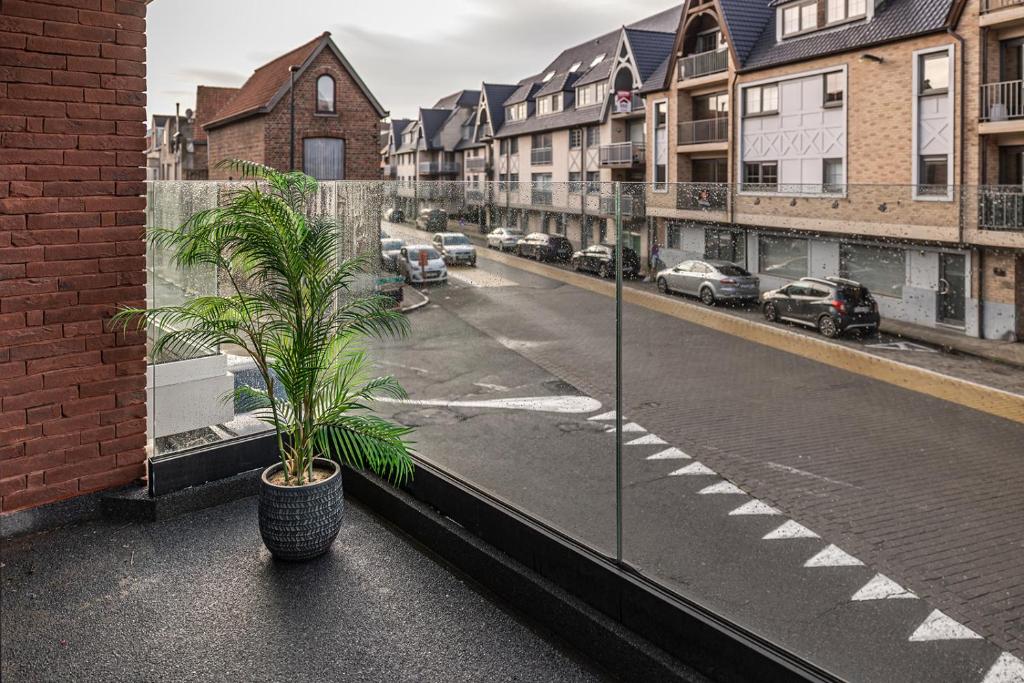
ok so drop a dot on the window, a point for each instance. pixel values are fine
(324, 158)
(548, 76)
(799, 18)
(832, 176)
(674, 236)
(933, 73)
(710, 106)
(593, 136)
(513, 146)
(575, 182)
(834, 87)
(540, 141)
(575, 138)
(784, 257)
(660, 139)
(593, 182)
(761, 99)
(516, 112)
(839, 10)
(543, 106)
(761, 176)
(597, 60)
(708, 41)
(575, 67)
(933, 175)
(325, 95)
(556, 103)
(882, 270)
(725, 245)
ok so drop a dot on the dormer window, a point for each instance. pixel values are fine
(575, 67)
(516, 112)
(549, 105)
(840, 10)
(325, 95)
(799, 17)
(597, 60)
(548, 76)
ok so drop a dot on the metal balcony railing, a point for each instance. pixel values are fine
(542, 196)
(632, 206)
(1001, 207)
(704, 130)
(540, 156)
(1002, 101)
(622, 154)
(439, 168)
(993, 5)
(702, 196)
(476, 164)
(704, 63)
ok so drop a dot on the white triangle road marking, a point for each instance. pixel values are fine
(1007, 669)
(790, 529)
(693, 468)
(833, 556)
(668, 454)
(940, 627)
(610, 415)
(755, 507)
(629, 427)
(721, 487)
(881, 587)
(649, 440)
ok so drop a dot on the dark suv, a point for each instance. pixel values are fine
(600, 259)
(545, 247)
(832, 305)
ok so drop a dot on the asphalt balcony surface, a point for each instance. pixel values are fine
(198, 598)
(921, 490)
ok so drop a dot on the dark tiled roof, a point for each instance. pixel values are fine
(522, 93)
(432, 120)
(556, 84)
(898, 19)
(665, 21)
(209, 101)
(496, 95)
(566, 119)
(462, 98)
(658, 80)
(600, 72)
(649, 49)
(745, 21)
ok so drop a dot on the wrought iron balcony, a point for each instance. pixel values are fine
(1002, 101)
(703, 131)
(704, 63)
(622, 154)
(1001, 207)
(702, 196)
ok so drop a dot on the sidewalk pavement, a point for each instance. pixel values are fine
(1010, 353)
(413, 298)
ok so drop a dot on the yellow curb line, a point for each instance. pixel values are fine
(923, 381)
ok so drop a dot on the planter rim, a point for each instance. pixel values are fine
(321, 461)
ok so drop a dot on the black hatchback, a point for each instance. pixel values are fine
(832, 305)
(600, 259)
(545, 247)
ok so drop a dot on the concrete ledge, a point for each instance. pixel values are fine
(413, 299)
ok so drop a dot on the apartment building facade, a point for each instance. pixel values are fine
(844, 137)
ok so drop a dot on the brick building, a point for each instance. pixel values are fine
(72, 250)
(337, 118)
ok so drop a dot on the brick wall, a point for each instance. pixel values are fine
(72, 135)
(356, 121)
(241, 140)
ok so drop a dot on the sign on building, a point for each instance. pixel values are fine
(623, 101)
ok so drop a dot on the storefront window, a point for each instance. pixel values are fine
(725, 245)
(782, 256)
(882, 270)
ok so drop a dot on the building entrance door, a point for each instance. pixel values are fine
(952, 300)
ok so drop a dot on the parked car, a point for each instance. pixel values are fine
(600, 259)
(394, 216)
(390, 248)
(712, 281)
(503, 238)
(545, 247)
(832, 305)
(434, 220)
(455, 248)
(409, 264)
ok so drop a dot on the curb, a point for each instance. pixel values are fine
(415, 306)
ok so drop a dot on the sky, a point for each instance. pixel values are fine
(409, 52)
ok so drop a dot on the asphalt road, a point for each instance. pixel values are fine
(923, 491)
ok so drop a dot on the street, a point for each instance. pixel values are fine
(773, 488)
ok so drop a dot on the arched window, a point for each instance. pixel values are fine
(325, 95)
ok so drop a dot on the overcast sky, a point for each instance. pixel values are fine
(409, 52)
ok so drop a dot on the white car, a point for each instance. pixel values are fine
(503, 238)
(455, 248)
(430, 269)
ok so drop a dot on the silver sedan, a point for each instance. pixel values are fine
(503, 238)
(712, 281)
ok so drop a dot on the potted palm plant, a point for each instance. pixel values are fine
(290, 306)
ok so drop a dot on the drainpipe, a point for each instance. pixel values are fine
(291, 145)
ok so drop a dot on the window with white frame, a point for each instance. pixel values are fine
(761, 99)
(575, 138)
(834, 89)
(800, 17)
(840, 10)
(674, 236)
(933, 73)
(325, 95)
(761, 176)
(543, 106)
(593, 136)
(933, 175)
(660, 140)
(516, 112)
(832, 176)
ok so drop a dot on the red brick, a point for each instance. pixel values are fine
(79, 282)
(118, 385)
(78, 313)
(81, 188)
(109, 19)
(37, 10)
(112, 295)
(100, 342)
(13, 419)
(11, 484)
(63, 378)
(10, 57)
(91, 64)
(86, 406)
(130, 53)
(127, 263)
(25, 74)
(27, 286)
(129, 398)
(122, 476)
(123, 443)
(39, 91)
(97, 435)
(79, 453)
(126, 68)
(71, 425)
(20, 434)
(14, 270)
(44, 237)
(21, 188)
(99, 96)
(47, 300)
(33, 497)
(63, 220)
(130, 427)
(26, 205)
(132, 128)
(83, 328)
(11, 452)
(78, 32)
(20, 25)
(80, 469)
(73, 360)
(80, 126)
(137, 38)
(124, 353)
(32, 108)
(19, 385)
(56, 172)
(77, 78)
(106, 142)
(63, 46)
(80, 251)
(40, 398)
(42, 414)
(51, 268)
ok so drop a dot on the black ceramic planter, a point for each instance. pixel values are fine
(301, 522)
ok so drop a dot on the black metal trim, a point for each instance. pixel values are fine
(171, 473)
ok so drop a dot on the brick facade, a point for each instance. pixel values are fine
(72, 249)
(265, 137)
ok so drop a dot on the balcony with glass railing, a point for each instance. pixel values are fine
(703, 131)
(439, 167)
(622, 154)
(703, 63)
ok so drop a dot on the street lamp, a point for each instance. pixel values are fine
(291, 146)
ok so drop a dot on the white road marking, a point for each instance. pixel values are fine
(881, 587)
(790, 529)
(610, 415)
(480, 278)
(1007, 669)
(492, 387)
(833, 556)
(940, 627)
(693, 468)
(544, 404)
(668, 454)
(631, 427)
(755, 507)
(901, 346)
(649, 440)
(518, 344)
(721, 487)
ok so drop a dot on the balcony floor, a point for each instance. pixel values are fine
(198, 597)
